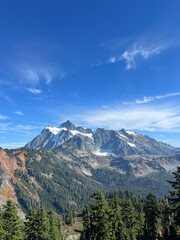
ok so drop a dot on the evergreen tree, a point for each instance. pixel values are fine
(54, 231)
(74, 213)
(12, 222)
(2, 231)
(118, 228)
(100, 217)
(97, 225)
(152, 214)
(130, 219)
(70, 218)
(31, 225)
(140, 222)
(166, 218)
(43, 225)
(63, 219)
(175, 196)
(86, 224)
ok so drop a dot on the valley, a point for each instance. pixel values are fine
(62, 167)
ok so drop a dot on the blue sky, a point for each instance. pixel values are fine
(112, 64)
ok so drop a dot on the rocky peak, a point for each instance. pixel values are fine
(126, 133)
(69, 125)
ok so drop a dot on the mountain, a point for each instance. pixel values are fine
(61, 180)
(63, 165)
(36, 178)
(100, 142)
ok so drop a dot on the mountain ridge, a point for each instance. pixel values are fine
(120, 142)
(62, 180)
(63, 165)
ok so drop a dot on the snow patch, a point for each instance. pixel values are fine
(131, 144)
(86, 172)
(121, 171)
(131, 133)
(55, 138)
(102, 152)
(54, 130)
(133, 165)
(75, 132)
(121, 135)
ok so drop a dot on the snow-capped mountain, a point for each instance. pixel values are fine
(101, 142)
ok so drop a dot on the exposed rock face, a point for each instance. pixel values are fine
(27, 175)
(7, 166)
(144, 165)
(73, 237)
(100, 159)
(99, 142)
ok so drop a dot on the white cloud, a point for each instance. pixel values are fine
(138, 49)
(12, 145)
(112, 60)
(4, 126)
(19, 113)
(33, 75)
(149, 118)
(3, 117)
(34, 90)
(130, 55)
(168, 95)
(145, 100)
(32, 64)
(152, 98)
(11, 127)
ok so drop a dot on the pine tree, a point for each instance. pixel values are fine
(54, 231)
(166, 218)
(100, 217)
(31, 225)
(96, 222)
(43, 225)
(2, 231)
(175, 196)
(63, 219)
(12, 222)
(152, 214)
(118, 228)
(130, 218)
(86, 224)
(70, 218)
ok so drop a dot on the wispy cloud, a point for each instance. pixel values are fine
(150, 118)
(31, 64)
(34, 75)
(19, 128)
(137, 51)
(3, 117)
(19, 113)
(112, 60)
(34, 90)
(152, 98)
(12, 145)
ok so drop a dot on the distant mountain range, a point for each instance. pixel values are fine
(125, 151)
(63, 165)
(101, 142)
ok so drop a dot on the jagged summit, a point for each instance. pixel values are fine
(68, 124)
(101, 142)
